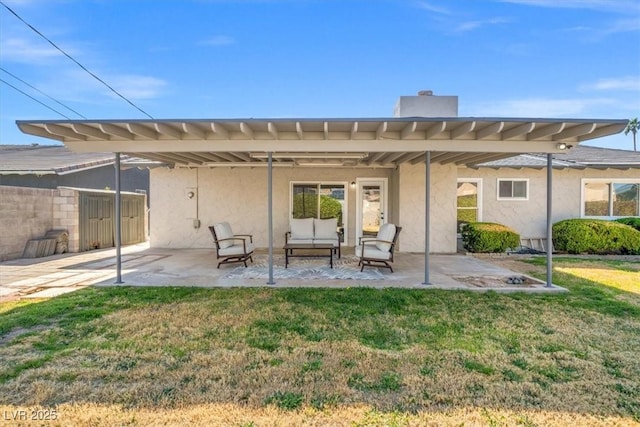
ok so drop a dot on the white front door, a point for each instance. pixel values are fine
(372, 207)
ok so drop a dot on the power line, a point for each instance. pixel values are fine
(39, 102)
(77, 63)
(41, 92)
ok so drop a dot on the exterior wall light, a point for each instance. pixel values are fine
(190, 194)
(353, 184)
(561, 146)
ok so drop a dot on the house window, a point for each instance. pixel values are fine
(319, 200)
(513, 189)
(468, 201)
(611, 198)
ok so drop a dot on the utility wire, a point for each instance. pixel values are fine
(39, 102)
(41, 92)
(77, 63)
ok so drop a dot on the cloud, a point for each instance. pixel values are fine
(219, 40)
(76, 85)
(431, 8)
(21, 50)
(474, 25)
(622, 26)
(630, 83)
(137, 87)
(542, 107)
(624, 6)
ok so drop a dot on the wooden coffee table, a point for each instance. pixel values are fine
(318, 249)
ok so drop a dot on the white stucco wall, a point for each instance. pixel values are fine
(443, 208)
(529, 217)
(239, 196)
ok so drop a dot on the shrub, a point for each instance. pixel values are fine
(630, 221)
(488, 237)
(594, 236)
(306, 206)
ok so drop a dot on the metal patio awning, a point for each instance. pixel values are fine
(366, 142)
(386, 142)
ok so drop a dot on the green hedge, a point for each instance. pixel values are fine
(489, 237)
(631, 221)
(306, 206)
(594, 236)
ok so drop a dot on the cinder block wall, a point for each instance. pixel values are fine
(25, 213)
(66, 216)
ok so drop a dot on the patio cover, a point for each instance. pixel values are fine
(366, 142)
(370, 142)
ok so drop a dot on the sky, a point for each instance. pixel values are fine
(217, 59)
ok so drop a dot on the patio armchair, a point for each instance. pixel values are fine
(231, 247)
(378, 251)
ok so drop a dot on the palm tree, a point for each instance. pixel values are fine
(632, 127)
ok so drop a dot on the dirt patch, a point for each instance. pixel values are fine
(518, 265)
(497, 281)
(16, 332)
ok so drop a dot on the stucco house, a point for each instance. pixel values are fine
(404, 169)
(589, 182)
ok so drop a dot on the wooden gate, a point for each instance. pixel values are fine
(97, 220)
(132, 213)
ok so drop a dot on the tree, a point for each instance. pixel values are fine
(632, 127)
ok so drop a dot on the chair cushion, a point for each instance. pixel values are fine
(386, 232)
(326, 228)
(301, 228)
(372, 252)
(301, 241)
(223, 231)
(237, 249)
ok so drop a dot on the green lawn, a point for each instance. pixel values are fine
(358, 356)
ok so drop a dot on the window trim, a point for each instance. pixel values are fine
(512, 199)
(610, 182)
(478, 182)
(345, 206)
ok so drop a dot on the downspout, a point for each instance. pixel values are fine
(427, 216)
(118, 224)
(549, 220)
(270, 213)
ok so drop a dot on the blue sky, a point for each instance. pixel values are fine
(320, 58)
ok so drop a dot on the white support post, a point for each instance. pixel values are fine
(549, 221)
(270, 214)
(427, 216)
(118, 224)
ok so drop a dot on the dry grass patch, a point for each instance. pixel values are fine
(326, 357)
(352, 416)
(627, 279)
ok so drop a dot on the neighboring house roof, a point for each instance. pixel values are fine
(579, 157)
(372, 142)
(49, 160)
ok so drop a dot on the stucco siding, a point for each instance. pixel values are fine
(529, 217)
(443, 208)
(236, 195)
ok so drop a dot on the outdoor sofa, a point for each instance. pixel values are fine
(314, 231)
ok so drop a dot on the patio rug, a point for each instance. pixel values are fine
(345, 268)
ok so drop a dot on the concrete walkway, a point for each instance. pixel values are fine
(144, 266)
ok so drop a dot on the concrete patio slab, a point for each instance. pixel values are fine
(144, 266)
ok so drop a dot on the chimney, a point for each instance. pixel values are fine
(426, 104)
